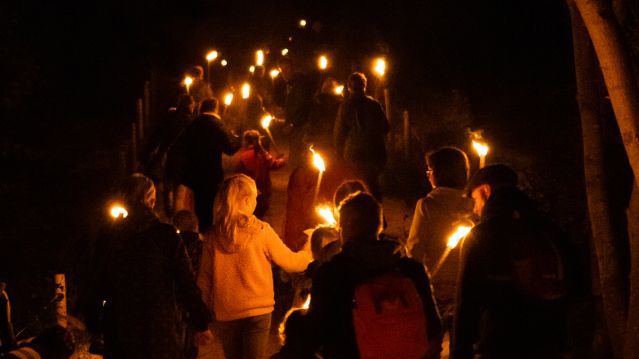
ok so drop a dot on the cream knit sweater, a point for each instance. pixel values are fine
(235, 273)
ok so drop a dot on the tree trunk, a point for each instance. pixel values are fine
(616, 66)
(603, 234)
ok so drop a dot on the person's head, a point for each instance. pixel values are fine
(320, 239)
(448, 167)
(235, 201)
(185, 221)
(347, 188)
(251, 138)
(360, 218)
(285, 65)
(197, 72)
(357, 83)
(209, 105)
(483, 183)
(137, 192)
(328, 86)
(186, 104)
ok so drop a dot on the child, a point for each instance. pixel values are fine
(257, 163)
(235, 274)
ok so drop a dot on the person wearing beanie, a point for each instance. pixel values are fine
(515, 278)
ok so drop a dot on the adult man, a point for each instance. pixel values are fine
(331, 329)
(436, 216)
(201, 147)
(297, 107)
(515, 276)
(359, 134)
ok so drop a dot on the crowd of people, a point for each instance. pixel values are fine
(209, 283)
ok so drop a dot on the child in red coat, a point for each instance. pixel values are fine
(257, 163)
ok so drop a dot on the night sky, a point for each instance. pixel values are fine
(71, 72)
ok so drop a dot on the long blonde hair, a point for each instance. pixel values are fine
(226, 210)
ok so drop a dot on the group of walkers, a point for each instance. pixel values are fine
(207, 285)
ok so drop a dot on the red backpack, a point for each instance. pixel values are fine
(389, 318)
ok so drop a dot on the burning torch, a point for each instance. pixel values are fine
(460, 233)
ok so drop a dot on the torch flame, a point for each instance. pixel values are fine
(246, 91)
(318, 162)
(284, 52)
(117, 211)
(211, 56)
(260, 58)
(266, 121)
(188, 81)
(380, 67)
(481, 148)
(228, 99)
(224, 62)
(322, 62)
(461, 232)
(274, 73)
(327, 215)
(307, 303)
(339, 89)
(252, 69)
(302, 23)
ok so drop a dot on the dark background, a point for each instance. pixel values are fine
(71, 72)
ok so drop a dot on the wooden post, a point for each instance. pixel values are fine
(406, 119)
(134, 148)
(61, 299)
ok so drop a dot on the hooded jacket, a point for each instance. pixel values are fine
(235, 273)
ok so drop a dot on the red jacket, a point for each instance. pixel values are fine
(258, 167)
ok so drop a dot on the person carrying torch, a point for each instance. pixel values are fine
(436, 215)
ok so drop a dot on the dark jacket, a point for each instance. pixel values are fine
(201, 146)
(330, 327)
(492, 314)
(143, 277)
(299, 100)
(360, 131)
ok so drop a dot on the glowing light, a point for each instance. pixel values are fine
(259, 58)
(224, 62)
(380, 67)
(211, 56)
(252, 69)
(188, 81)
(318, 162)
(461, 232)
(246, 91)
(266, 121)
(307, 303)
(274, 73)
(339, 90)
(480, 148)
(285, 51)
(322, 63)
(327, 215)
(117, 211)
(302, 23)
(228, 99)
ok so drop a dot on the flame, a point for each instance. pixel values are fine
(117, 211)
(318, 162)
(266, 121)
(481, 148)
(188, 81)
(327, 215)
(211, 56)
(380, 67)
(228, 99)
(246, 91)
(339, 90)
(274, 73)
(461, 232)
(302, 23)
(224, 62)
(252, 69)
(284, 52)
(322, 62)
(307, 303)
(260, 58)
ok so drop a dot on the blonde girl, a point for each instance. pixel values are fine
(235, 274)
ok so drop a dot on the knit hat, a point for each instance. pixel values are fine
(492, 175)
